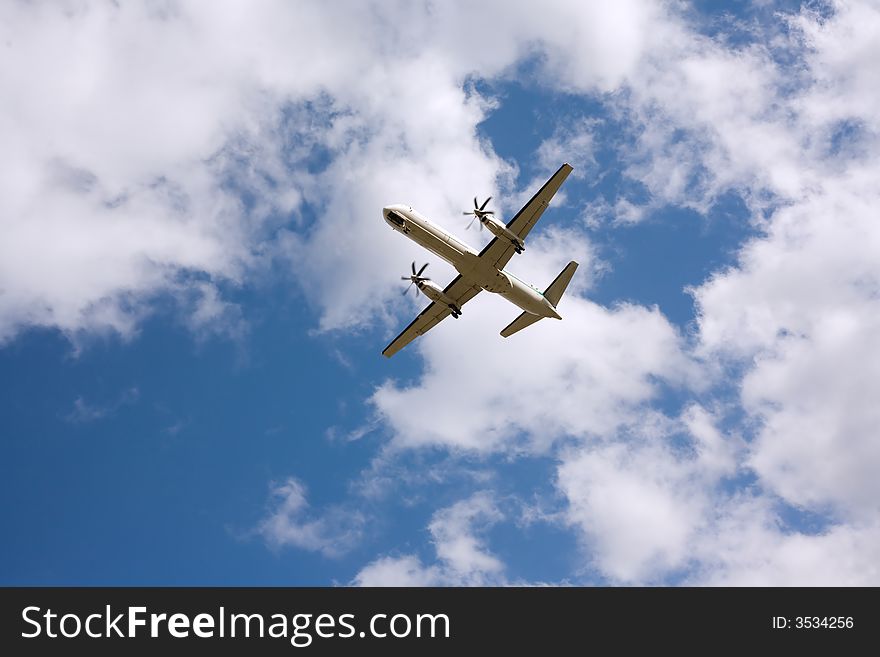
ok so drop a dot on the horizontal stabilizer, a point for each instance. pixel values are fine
(521, 322)
(554, 291)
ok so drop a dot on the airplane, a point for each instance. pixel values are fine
(479, 271)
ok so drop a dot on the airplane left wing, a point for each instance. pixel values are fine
(459, 290)
(499, 251)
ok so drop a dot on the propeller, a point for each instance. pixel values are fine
(479, 212)
(416, 278)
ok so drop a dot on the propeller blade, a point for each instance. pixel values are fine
(416, 278)
(472, 221)
(476, 205)
(484, 204)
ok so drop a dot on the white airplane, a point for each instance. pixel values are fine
(479, 271)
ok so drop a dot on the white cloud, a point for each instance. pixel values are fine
(585, 375)
(716, 453)
(794, 318)
(422, 145)
(798, 313)
(150, 149)
(117, 119)
(462, 556)
(407, 570)
(746, 547)
(842, 53)
(574, 144)
(637, 523)
(816, 397)
(290, 522)
(800, 309)
(455, 534)
(210, 314)
(709, 119)
(131, 129)
(646, 511)
(637, 500)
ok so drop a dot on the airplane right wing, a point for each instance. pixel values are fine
(499, 251)
(459, 290)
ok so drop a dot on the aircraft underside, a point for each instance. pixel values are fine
(482, 275)
(478, 271)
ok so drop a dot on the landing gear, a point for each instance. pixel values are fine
(456, 311)
(518, 247)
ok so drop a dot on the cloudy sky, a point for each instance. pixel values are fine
(196, 284)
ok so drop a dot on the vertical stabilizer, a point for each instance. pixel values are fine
(554, 291)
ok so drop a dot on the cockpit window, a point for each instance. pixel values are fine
(396, 218)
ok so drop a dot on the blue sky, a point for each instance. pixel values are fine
(196, 284)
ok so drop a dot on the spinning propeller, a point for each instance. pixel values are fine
(416, 278)
(478, 212)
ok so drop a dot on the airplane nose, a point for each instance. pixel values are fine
(391, 214)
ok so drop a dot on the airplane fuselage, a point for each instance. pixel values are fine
(466, 260)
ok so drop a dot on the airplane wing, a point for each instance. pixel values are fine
(499, 251)
(459, 290)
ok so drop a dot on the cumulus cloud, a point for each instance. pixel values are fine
(800, 308)
(155, 162)
(291, 523)
(166, 147)
(747, 548)
(637, 500)
(583, 377)
(176, 148)
(744, 546)
(462, 556)
(406, 570)
(109, 195)
(145, 144)
(787, 121)
(574, 144)
(635, 517)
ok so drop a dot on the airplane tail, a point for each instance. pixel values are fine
(553, 294)
(554, 291)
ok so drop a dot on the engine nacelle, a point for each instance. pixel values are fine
(435, 293)
(500, 230)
